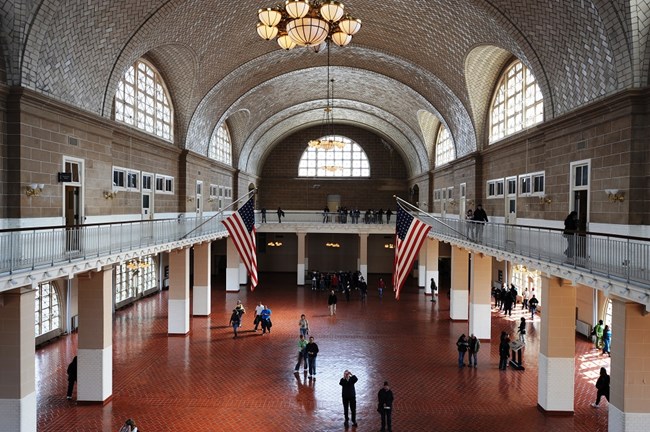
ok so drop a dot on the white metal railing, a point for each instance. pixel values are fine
(292, 216)
(617, 257)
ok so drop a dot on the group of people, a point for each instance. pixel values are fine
(469, 345)
(262, 318)
(279, 212)
(505, 299)
(384, 402)
(476, 220)
(344, 215)
(603, 337)
(342, 282)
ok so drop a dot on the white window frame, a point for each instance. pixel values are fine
(525, 185)
(126, 175)
(167, 184)
(495, 183)
(445, 150)
(436, 195)
(450, 193)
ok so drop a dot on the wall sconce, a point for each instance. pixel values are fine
(615, 195)
(190, 199)
(389, 246)
(274, 244)
(451, 202)
(110, 194)
(543, 199)
(34, 189)
(332, 245)
(212, 199)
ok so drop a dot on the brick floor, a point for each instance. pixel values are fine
(208, 381)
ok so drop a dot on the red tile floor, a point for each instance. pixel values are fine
(208, 381)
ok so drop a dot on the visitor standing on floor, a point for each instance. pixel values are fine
(349, 397)
(522, 330)
(473, 346)
(525, 295)
(504, 351)
(302, 358)
(303, 325)
(462, 345)
(434, 290)
(258, 314)
(266, 320)
(602, 385)
(607, 340)
(331, 302)
(241, 310)
(380, 287)
(532, 306)
(235, 321)
(598, 332)
(72, 377)
(312, 352)
(385, 407)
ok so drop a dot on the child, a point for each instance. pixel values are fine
(522, 330)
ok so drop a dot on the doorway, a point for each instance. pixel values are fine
(511, 201)
(580, 180)
(72, 204)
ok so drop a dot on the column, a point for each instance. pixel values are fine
(243, 274)
(178, 316)
(301, 258)
(422, 267)
(629, 407)
(232, 266)
(95, 352)
(17, 361)
(363, 255)
(432, 264)
(459, 298)
(555, 388)
(480, 296)
(202, 288)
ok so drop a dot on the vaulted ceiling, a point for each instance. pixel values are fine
(414, 63)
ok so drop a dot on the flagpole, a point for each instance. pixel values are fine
(412, 208)
(220, 212)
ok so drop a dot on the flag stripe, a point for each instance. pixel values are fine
(410, 234)
(241, 227)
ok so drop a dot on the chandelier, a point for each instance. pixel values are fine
(300, 23)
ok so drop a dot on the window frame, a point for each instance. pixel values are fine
(495, 187)
(124, 184)
(355, 158)
(446, 142)
(220, 148)
(167, 184)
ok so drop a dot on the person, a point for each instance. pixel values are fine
(479, 218)
(598, 332)
(235, 320)
(303, 325)
(326, 214)
(331, 302)
(241, 310)
(266, 320)
(525, 296)
(607, 340)
(314, 282)
(462, 345)
(380, 286)
(280, 215)
(532, 306)
(349, 397)
(389, 213)
(258, 314)
(522, 330)
(469, 224)
(602, 385)
(504, 351)
(302, 358)
(474, 344)
(506, 300)
(72, 377)
(312, 352)
(385, 407)
(434, 290)
(129, 426)
(570, 228)
(263, 211)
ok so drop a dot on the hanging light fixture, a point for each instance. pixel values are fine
(306, 24)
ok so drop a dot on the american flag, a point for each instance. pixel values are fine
(410, 233)
(241, 227)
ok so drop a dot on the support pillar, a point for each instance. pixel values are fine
(17, 361)
(432, 246)
(629, 407)
(178, 316)
(243, 274)
(459, 298)
(555, 388)
(363, 255)
(201, 297)
(422, 267)
(301, 258)
(232, 266)
(95, 352)
(480, 296)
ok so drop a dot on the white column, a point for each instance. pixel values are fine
(432, 246)
(201, 293)
(556, 360)
(232, 266)
(95, 353)
(301, 258)
(480, 313)
(243, 274)
(363, 255)
(459, 298)
(178, 315)
(422, 268)
(17, 361)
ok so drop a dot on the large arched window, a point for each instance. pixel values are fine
(444, 147)
(349, 161)
(142, 101)
(517, 103)
(134, 278)
(47, 311)
(220, 145)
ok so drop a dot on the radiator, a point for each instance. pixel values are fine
(583, 328)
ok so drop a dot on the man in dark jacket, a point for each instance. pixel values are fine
(385, 407)
(312, 351)
(480, 218)
(349, 396)
(72, 376)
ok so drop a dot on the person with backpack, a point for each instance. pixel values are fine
(235, 320)
(532, 306)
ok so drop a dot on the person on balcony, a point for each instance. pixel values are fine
(480, 219)
(570, 228)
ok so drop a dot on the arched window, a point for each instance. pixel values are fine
(47, 311)
(134, 278)
(142, 101)
(517, 103)
(349, 161)
(220, 145)
(444, 147)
